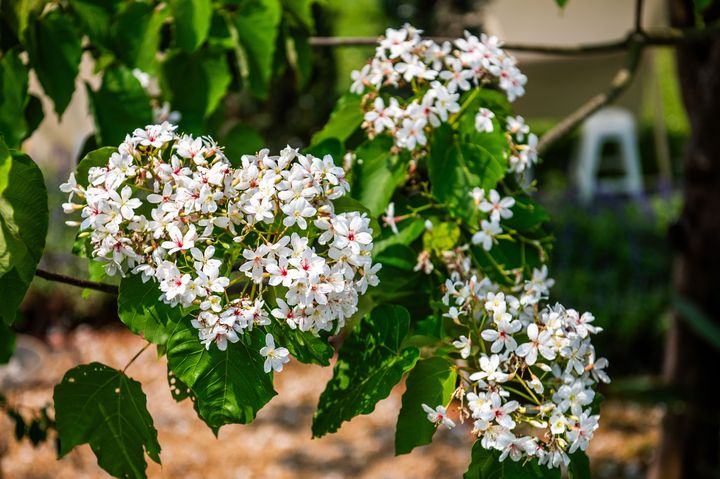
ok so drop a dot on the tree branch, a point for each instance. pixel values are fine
(658, 37)
(81, 283)
(619, 83)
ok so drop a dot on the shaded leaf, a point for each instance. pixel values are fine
(376, 174)
(99, 157)
(303, 345)
(119, 106)
(95, 18)
(369, 364)
(54, 47)
(457, 168)
(7, 342)
(579, 467)
(487, 465)
(431, 382)
(13, 98)
(192, 22)
(241, 140)
(230, 386)
(329, 146)
(257, 23)
(23, 227)
(136, 34)
(345, 118)
(195, 84)
(101, 406)
(140, 308)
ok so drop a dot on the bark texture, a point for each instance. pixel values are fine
(690, 441)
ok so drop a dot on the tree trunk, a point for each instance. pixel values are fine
(690, 441)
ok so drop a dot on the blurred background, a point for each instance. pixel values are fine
(612, 255)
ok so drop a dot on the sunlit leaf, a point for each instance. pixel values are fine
(101, 406)
(370, 362)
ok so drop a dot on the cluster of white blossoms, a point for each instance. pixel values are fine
(439, 77)
(528, 371)
(495, 208)
(217, 238)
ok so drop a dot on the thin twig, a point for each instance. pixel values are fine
(619, 83)
(638, 16)
(81, 283)
(137, 355)
(658, 37)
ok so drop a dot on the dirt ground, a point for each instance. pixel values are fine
(278, 444)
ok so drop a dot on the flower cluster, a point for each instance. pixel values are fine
(222, 240)
(440, 78)
(529, 370)
(495, 208)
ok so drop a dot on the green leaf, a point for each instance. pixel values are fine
(487, 465)
(369, 364)
(195, 84)
(7, 343)
(442, 237)
(303, 345)
(527, 214)
(376, 174)
(301, 10)
(579, 467)
(457, 168)
(562, 3)
(230, 386)
(101, 406)
(99, 157)
(54, 47)
(23, 227)
(397, 255)
(140, 308)
(299, 56)
(241, 140)
(34, 114)
(192, 22)
(329, 146)
(345, 118)
(136, 34)
(13, 98)
(257, 24)
(95, 18)
(408, 231)
(119, 106)
(431, 382)
(16, 15)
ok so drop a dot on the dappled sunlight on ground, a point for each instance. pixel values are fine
(278, 444)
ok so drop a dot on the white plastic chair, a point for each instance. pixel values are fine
(614, 124)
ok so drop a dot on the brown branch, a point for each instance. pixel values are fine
(659, 37)
(81, 283)
(619, 83)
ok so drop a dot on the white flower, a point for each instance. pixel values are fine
(539, 341)
(178, 241)
(497, 207)
(464, 344)
(502, 337)
(275, 357)
(438, 416)
(490, 370)
(516, 126)
(486, 236)
(483, 120)
(389, 218)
